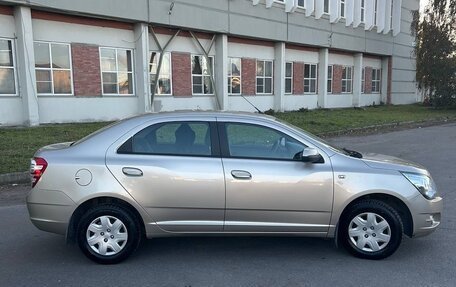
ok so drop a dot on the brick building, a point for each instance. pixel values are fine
(71, 61)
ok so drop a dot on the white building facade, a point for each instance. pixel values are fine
(77, 61)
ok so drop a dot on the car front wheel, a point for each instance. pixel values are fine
(371, 229)
(108, 234)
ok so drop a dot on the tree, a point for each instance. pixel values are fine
(435, 51)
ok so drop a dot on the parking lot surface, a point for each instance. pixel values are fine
(29, 257)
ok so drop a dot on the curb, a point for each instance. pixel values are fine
(15, 177)
(374, 129)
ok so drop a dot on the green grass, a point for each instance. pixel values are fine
(17, 145)
(326, 121)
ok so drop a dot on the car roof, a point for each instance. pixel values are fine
(192, 113)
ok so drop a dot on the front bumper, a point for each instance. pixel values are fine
(426, 215)
(50, 210)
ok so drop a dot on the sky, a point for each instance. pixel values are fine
(423, 3)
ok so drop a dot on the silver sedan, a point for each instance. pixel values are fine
(194, 173)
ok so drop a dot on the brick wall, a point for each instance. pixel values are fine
(368, 80)
(182, 74)
(248, 77)
(86, 70)
(337, 79)
(298, 78)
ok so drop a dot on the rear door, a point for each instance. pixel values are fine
(174, 170)
(267, 190)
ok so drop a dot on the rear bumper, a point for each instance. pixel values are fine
(50, 210)
(426, 215)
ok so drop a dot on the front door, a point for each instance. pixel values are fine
(267, 190)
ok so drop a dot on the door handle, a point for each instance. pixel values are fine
(241, 174)
(132, 171)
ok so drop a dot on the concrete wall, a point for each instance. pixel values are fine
(235, 18)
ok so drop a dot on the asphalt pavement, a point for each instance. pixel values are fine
(29, 257)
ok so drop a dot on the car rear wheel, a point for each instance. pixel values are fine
(371, 229)
(108, 234)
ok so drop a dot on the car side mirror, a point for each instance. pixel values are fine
(310, 155)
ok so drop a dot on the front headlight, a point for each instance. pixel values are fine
(423, 183)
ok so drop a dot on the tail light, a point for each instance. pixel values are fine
(37, 167)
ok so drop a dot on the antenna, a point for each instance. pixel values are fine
(252, 104)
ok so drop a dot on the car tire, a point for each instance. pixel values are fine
(371, 229)
(108, 234)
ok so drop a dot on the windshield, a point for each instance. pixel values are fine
(320, 140)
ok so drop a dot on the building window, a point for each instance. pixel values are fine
(288, 78)
(347, 79)
(263, 77)
(375, 13)
(326, 6)
(363, 10)
(301, 3)
(234, 76)
(7, 68)
(201, 75)
(164, 86)
(363, 80)
(310, 78)
(376, 74)
(116, 71)
(53, 69)
(342, 8)
(330, 79)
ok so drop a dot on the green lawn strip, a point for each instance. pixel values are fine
(17, 145)
(325, 121)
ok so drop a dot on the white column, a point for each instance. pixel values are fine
(279, 76)
(323, 77)
(384, 79)
(397, 12)
(221, 70)
(26, 65)
(357, 73)
(141, 31)
(349, 12)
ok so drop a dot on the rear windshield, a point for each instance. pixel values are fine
(95, 133)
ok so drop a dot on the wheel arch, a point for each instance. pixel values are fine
(86, 205)
(395, 202)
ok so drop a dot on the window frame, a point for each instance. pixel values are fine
(350, 80)
(230, 77)
(14, 68)
(362, 11)
(378, 81)
(363, 80)
(264, 77)
(342, 12)
(51, 69)
(310, 79)
(328, 80)
(329, 7)
(289, 78)
(212, 128)
(202, 75)
(170, 74)
(225, 149)
(117, 72)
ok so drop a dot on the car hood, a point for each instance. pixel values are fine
(392, 163)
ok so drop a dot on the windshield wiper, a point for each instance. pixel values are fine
(353, 153)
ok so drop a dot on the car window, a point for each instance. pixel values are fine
(173, 138)
(254, 141)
